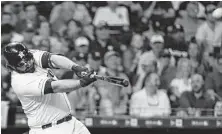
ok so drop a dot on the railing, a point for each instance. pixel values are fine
(135, 121)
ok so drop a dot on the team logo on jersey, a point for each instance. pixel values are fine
(21, 55)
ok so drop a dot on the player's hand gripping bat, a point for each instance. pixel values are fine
(114, 80)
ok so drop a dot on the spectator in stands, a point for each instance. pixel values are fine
(81, 45)
(66, 11)
(103, 42)
(113, 14)
(113, 98)
(154, 28)
(189, 20)
(7, 18)
(74, 29)
(9, 35)
(175, 38)
(81, 14)
(182, 9)
(157, 45)
(135, 12)
(150, 101)
(15, 9)
(168, 72)
(213, 79)
(195, 102)
(133, 52)
(45, 33)
(28, 35)
(195, 58)
(164, 13)
(32, 19)
(148, 65)
(210, 32)
(181, 82)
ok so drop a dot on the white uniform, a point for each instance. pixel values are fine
(42, 109)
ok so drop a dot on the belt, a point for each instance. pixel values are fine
(67, 118)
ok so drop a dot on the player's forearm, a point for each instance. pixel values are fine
(65, 85)
(62, 62)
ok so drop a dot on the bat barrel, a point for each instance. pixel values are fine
(114, 80)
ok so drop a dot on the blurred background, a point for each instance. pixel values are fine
(170, 51)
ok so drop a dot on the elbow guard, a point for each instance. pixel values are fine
(48, 87)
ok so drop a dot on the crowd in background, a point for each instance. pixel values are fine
(171, 52)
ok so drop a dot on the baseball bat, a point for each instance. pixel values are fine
(114, 80)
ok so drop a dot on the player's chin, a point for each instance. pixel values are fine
(30, 69)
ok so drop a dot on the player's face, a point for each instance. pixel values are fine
(26, 66)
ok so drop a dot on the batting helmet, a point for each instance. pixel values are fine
(14, 53)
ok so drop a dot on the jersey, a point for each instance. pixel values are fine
(39, 108)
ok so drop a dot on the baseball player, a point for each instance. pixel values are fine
(42, 96)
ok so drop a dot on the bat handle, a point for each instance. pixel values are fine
(125, 83)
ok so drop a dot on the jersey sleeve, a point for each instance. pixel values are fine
(42, 58)
(34, 88)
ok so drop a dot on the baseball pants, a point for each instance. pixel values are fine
(73, 126)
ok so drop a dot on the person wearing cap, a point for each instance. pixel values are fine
(81, 45)
(114, 95)
(210, 32)
(157, 46)
(103, 41)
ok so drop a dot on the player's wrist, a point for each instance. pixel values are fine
(84, 82)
